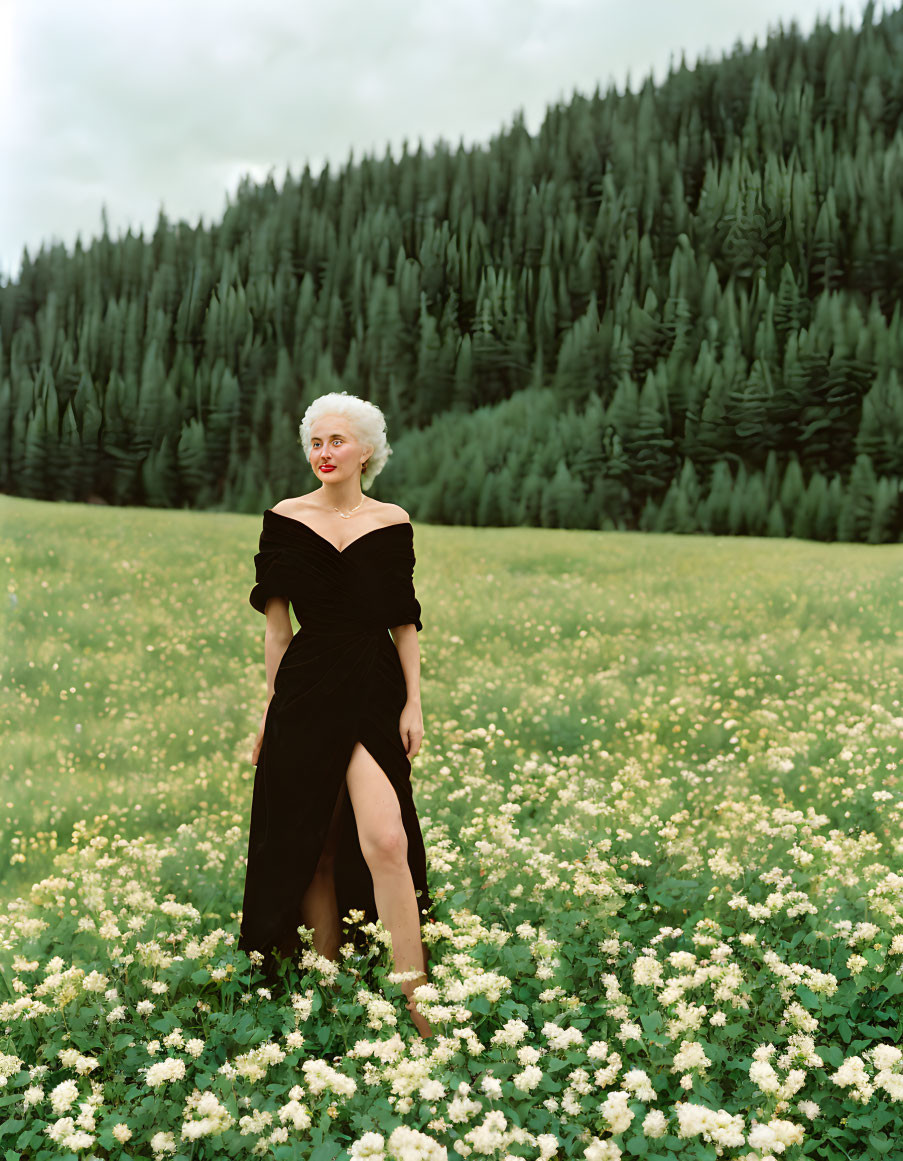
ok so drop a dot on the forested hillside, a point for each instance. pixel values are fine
(673, 309)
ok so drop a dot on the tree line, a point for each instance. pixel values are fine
(673, 309)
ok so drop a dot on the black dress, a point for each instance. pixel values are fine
(340, 681)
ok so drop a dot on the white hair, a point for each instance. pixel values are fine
(367, 423)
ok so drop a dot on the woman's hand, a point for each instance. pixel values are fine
(255, 754)
(411, 727)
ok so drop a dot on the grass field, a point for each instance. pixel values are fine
(661, 792)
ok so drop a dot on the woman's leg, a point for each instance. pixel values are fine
(320, 908)
(384, 845)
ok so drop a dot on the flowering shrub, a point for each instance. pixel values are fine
(665, 851)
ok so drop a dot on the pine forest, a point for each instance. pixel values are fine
(671, 309)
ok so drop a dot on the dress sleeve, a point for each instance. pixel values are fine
(403, 608)
(273, 573)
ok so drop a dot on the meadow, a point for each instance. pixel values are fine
(661, 793)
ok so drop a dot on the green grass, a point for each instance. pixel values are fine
(624, 733)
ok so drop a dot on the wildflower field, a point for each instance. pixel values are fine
(662, 798)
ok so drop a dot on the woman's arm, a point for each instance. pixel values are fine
(410, 724)
(278, 635)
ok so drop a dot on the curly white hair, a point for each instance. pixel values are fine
(367, 423)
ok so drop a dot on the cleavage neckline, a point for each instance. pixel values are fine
(340, 551)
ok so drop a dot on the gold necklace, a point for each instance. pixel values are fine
(346, 515)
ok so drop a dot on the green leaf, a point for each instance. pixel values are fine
(880, 1142)
(327, 1151)
(831, 1054)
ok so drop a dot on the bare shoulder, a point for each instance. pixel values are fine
(394, 514)
(295, 506)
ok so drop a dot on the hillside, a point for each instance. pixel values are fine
(674, 309)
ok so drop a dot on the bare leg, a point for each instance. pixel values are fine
(320, 910)
(319, 907)
(384, 845)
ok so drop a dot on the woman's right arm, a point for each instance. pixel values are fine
(279, 633)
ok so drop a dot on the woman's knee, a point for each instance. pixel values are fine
(388, 848)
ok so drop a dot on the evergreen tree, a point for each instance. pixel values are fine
(702, 277)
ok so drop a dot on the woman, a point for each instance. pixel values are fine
(333, 822)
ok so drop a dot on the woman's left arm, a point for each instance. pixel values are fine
(411, 721)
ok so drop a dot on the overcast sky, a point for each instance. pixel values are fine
(134, 104)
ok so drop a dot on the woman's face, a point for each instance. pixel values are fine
(335, 454)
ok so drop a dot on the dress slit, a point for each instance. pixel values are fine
(391, 787)
(353, 877)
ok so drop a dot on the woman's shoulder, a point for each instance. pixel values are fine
(394, 513)
(294, 506)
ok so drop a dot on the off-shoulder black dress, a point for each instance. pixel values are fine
(340, 681)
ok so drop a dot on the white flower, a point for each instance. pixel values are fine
(560, 1039)
(647, 971)
(637, 1081)
(527, 1080)
(296, 1112)
(321, 1076)
(764, 1076)
(491, 1085)
(598, 1150)
(511, 1033)
(164, 1070)
(33, 1095)
(163, 1142)
(891, 1082)
(370, 1145)
(775, 1136)
(718, 1127)
(615, 1111)
(63, 1095)
(629, 1031)
(691, 1054)
(886, 1055)
(210, 1117)
(852, 1074)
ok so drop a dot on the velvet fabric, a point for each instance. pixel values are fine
(339, 682)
